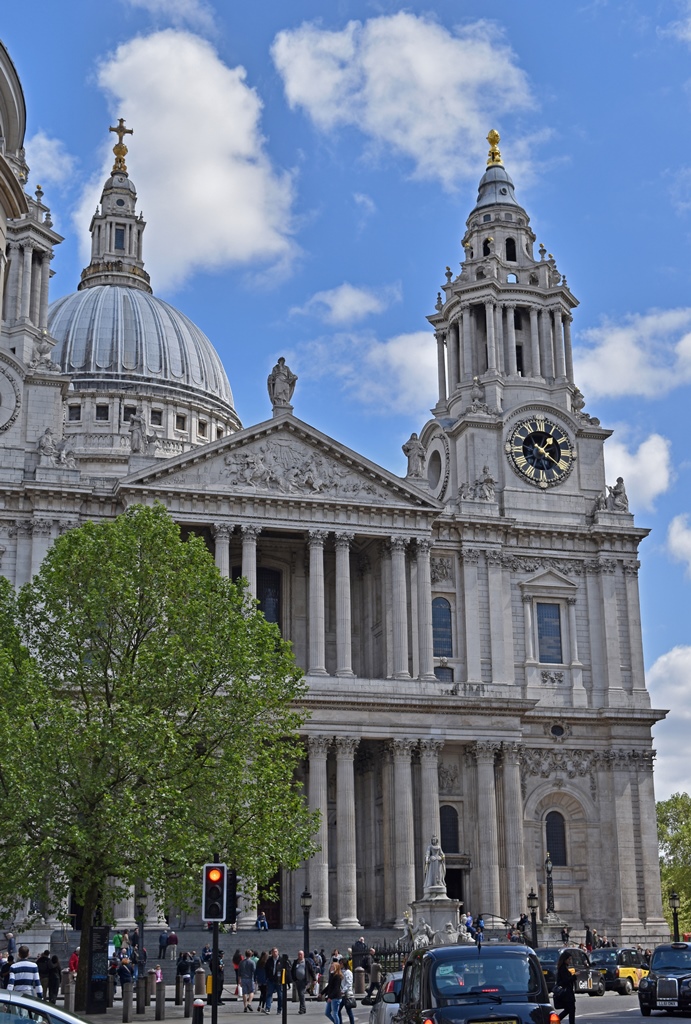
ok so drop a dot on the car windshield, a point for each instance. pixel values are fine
(603, 956)
(11, 1011)
(671, 960)
(547, 956)
(493, 976)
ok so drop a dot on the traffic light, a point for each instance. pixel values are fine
(231, 898)
(214, 889)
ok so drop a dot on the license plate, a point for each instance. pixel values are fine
(667, 1002)
(495, 1021)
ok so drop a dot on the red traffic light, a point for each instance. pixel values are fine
(214, 892)
(215, 875)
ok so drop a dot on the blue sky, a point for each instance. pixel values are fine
(306, 169)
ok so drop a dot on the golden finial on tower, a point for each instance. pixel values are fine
(120, 149)
(494, 156)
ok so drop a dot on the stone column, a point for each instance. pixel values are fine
(45, 284)
(654, 918)
(487, 827)
(573, 634)
(513, 831)
(346, 896)
(404, 836)
(560, 365)
(528, 627)
(317, 658)
(429, 764)
(26, 280)
(424, 609)
(344, 629)
(568, 349)
(35, 301)
(318, 867)
(610, 621)
(441, 365)
(387, 607)
(23, 568)
(388, 846)
(512, 368)
(499, 335)
(546, 350)
(467, 342)
(249, 556)
(626, 845)
(12, 296)
(471, 605)
(491, 340)
(400, 608)
(123, 912)
(535, 342)
(633, 610)
(452, 350)
(41, 540)
(222, 532)
(500, 620)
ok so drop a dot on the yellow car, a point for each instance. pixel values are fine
(622, 969)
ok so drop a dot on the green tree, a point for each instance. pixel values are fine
(674, 835)
(148, 721)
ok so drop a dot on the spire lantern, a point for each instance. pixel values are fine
(120, 149)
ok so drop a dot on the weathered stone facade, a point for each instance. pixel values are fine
(471, 633)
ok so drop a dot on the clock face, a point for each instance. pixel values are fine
(541, 452)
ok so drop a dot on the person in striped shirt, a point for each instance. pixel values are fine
(24, 976)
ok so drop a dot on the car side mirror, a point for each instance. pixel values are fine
(390, 997)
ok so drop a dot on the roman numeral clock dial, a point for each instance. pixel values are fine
(540, 452)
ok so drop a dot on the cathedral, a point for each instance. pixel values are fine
(470, 633)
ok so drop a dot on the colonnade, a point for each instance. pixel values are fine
(401, 840)
(458, 344)
(26, 295)
(408, 619)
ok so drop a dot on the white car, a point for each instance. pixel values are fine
(20, 1007)
(381, 1011)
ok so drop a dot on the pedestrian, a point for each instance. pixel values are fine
(162, 943)
(274, 970)
(206, 954)
(359, 950)
(54, 979)
(332, 992)
(43, 964)
(564, 995)
(237, 960)
(117, 944)
(347, 994)
(5, 970)
(124, 973)
(159, 973)
(260, 979)
(172, 945)
(11, 944)
(24, 976)
(373, 989)
(565, 935)
(261, 923)
(73, 962)
(125, 944)
(588, 938)
(246, 974)
(304, 976)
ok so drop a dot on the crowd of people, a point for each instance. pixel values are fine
(40, 977)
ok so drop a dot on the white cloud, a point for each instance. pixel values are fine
(644, 354)
(647, 470)
(347, 304)
(669, 682)
(49, 160)
(196, 13)
(365, 202)
(681, 29)
(397, 375)
(679, 541)
(206, 187)
(409, 84)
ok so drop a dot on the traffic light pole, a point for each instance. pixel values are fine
(215, 973)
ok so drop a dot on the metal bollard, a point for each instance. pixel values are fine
(160, 1000)
(198, 1012)
(187, 1009)
(64, 978)
(178, 990)
(359, 981)
(151, 986)
(141, 993)
(127, 1002)
(200, 982)
(68, 1003)
(110, 990)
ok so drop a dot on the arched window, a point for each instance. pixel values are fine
(485, 248)
(511, 250)
(441, 628)
(448, 826)
(555, 835)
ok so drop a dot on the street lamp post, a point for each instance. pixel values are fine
(675, 903)
(550, 885)
(306, 904)
(533, 903)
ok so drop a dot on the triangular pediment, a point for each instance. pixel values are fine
(548, 579)
(286, 459)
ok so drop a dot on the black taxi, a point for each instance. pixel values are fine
(622, 969)
(588, 980)
(485, 984)
(668, 984)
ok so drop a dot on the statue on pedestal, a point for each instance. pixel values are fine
(435, 870)
(281, 385)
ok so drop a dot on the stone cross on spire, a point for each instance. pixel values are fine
(120, 149)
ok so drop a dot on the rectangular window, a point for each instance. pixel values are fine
(549, 634)
(180, 422)
(443, 674)
(102, 412)
(156, 417)
(128, 412)
(219, 433)
(119, 238)
(201, 428)
(74, 414)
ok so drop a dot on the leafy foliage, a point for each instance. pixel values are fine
(148, 721)
(674, 835)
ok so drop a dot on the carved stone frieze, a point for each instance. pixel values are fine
(486, 750)
(631, 568)
(402, 748)
(548, 677)
(318, 746)
(448, 776)
(430, 749)
(346, 747)
(441, 570)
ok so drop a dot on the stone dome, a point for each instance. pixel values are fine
(115, 336)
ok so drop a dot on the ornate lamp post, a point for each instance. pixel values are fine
(306, 904)
(533, 903)
(550, 885)
(675, 903)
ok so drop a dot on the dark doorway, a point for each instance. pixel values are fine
(268, 592)
(454, 883)
(272, 908)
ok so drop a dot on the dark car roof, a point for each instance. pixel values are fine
(558, 950)
(487, 949)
